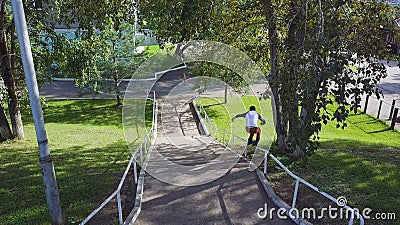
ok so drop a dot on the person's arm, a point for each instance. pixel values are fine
(239, 115)
(262, 119)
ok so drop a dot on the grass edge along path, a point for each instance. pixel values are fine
(360, 163)
(89, 153)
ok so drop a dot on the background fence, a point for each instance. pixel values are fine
(384, 109)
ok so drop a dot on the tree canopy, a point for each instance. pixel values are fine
(314, 53)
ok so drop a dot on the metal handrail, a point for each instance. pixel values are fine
(146, 144)
(267, 153)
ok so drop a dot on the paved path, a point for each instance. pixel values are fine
(390, 87)
(199, 182)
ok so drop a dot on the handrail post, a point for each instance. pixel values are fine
(265, 162)
(141, 153)
(392, 109)
(156, 121)
(393, 124)
(379, 109)
(366, 104)
(135, 171)
(296, 189)
(351, 218)
(145, 144)
(121, 220)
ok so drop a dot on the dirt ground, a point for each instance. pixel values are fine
(109, 214)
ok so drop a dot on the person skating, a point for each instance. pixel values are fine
(252, 117)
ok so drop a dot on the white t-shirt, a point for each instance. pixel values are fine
(251, 119)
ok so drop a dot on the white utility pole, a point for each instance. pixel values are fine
(135, 11)
(46, 162)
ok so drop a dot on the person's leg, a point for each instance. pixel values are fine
(251, 135)
(258, 131)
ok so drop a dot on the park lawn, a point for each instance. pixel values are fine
(360, 163)
(151, 49)
(222, 113)
(89, 153)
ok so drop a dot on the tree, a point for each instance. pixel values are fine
(11, 68)
(105, 48)
(5, 131)
(314, 53)
(318, 61)
(7, 53)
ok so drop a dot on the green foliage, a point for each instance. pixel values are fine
(321, 49)
(207, 69)
(178, 20)
(105, 47)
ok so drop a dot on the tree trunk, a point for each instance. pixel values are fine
(295, 43)
(226, 94)
(117, 91)
(116, 77)
(5, 131)
(280, 124)
(9, 82)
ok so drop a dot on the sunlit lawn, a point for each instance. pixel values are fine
(361, 163)
(89, 154)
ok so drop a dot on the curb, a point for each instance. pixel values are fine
(128, 80)
(202, 126)
(276, 199)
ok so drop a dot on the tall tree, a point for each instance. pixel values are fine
(5, 130)
(314, 53)
(106, 45)
(7, 54)
(321, 62)
(11, 68)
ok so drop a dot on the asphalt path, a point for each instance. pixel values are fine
(390, 87)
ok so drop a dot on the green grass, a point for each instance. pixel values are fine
(89, 154)
(152, 49)
(360, 163)
(222, 113)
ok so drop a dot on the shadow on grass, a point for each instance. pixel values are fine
(368, 175)
(94, 112)
(85, 176)
(365, 122)
(101, 112)
(214, 113)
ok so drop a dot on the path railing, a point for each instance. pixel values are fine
(140, 152)
(386, 110)
(230, 138)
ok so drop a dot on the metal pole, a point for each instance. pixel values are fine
(135, 171)
(135, 13)
(366, 104)
(295, 194)
(121, 220)
(396, 111)
(265, 162)
(379, 109)
(392, 108)
(46, 161)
